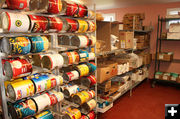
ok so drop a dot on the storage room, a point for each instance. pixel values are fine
(89, 59)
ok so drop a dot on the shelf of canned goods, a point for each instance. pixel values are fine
(48, 59)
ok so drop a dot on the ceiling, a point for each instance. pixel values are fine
(108, 4)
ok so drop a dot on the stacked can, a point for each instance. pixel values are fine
(84, 55)
(69, 91)
(17, 4)
(64, 40)
(80, 41)
(91, 115)
(89, 106)
(89, 81)
(47, 114)
(83, 69)
(70, 76)
(70, 58)
(55, 24)
(72, 25)
(72, 114)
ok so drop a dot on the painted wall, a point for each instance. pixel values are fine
(151, 14)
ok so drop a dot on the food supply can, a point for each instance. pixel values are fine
(72, 25)
(69, 91)
(91, 115)
(42, 101)
(14, 22)
(92, 56)
(92, 26)
(17, 68)
(92, 67)
(70, 58)
(17, 4)
(47, 114)
(16, 45)
(89, 106)
(80, 41)
(83, 69)
(24, 109)
(70, 76)
(20, 89)
(89, 81)
(52, 61)
(71, 9)
(72, 114)
(54, 6)
(92, 40)
(39, 44)
(82, 11)
(38, 23)
(81, 97)
(91, 14)
(59, 95)
(55, 24)
(64, 40)
(83, 26)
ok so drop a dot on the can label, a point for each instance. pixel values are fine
(72, 25)
(23, 89)
(92, 104)
(17, 4)
(73, 75)
(84, 96)
(20, 67)
(91, 56)
(73, 57)
(76, 113)
(26, 108)
(18, 22)
(83, 26)
(55, 6)
(42, 101)
(39, 44)
(20, 45)
(56, 24)
(83, 69)
(38, 23)
(59, 95)
(83, 11)
(91, 94)
(84, 41)
(92, 40)
(53, 99)
(92, 26)
(92, 79)
(73, 89)
(45, 115)
(72, 9)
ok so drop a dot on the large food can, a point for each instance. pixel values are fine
(70, 58)
(83, 55)
(71, 9)
(83, 26)
(47, 114)
(70, 76)
(38, 23)
(14, 22)
(42, 101)
(80, 41)
(89, 81)
(89, 106)
(55, 24)
(24, 109)
(54, 6)
(92, 40)
(83, 69)
(72, 25)
(92, 26)
(37, 59)
(91, 115)
(52, 61)
(82, 11)
(72, 114)
(39, 44)
(59, 95)
(17, 68)
(20, 89)
(64, 40)
(82, 97)
(69, 91)
(16, 45)
(17, 4)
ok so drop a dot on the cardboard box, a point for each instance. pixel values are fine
(103, 73)
(167, 56)
(159, 75)
(105, 87)
(126, 39)
(113, 69)
(173, 35)
(174, 28)
(140, 45)
(166, 76)
(174, 77)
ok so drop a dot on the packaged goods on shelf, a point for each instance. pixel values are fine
(45, 114)
(70, 58)
(69, 91)
(89, 106)
(71, 113)
(89, 81)
(174, 28)
(173, 35)
(166, 76)
(91, 115)
(126, 39)
(14, 4)
(165, 56)
(105, 86)
(114, 41)
(72, 75)
(174, 76)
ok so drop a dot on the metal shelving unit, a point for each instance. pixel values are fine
(54, 47)
(159, 49)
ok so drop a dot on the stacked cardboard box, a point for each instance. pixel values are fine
(147, 57)
(142, 41)
(174, 31)
(126, 39)
(165, 56)
(133, 21)
(168, 76)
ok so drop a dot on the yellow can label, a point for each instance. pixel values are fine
(84, 70)
(83, 26)
(84, 96)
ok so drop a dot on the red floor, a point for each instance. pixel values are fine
(146, 103)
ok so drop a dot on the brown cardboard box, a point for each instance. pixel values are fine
(140, 45)
(126, 39)
(105, 87)
(174, 28)
(173, 35)
(113, 69)
(166, 76)
(164, 56)
(103, 73)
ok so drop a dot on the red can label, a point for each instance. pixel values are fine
(72, 24)
(38, 23)
(83, 11)
(70, 75)
(17, 4)
(53, 99)
(92, 79)
(55, 6)
(72, 9)
(20, 67)
(56, 24)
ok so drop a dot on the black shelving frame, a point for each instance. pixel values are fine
(159, 49)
